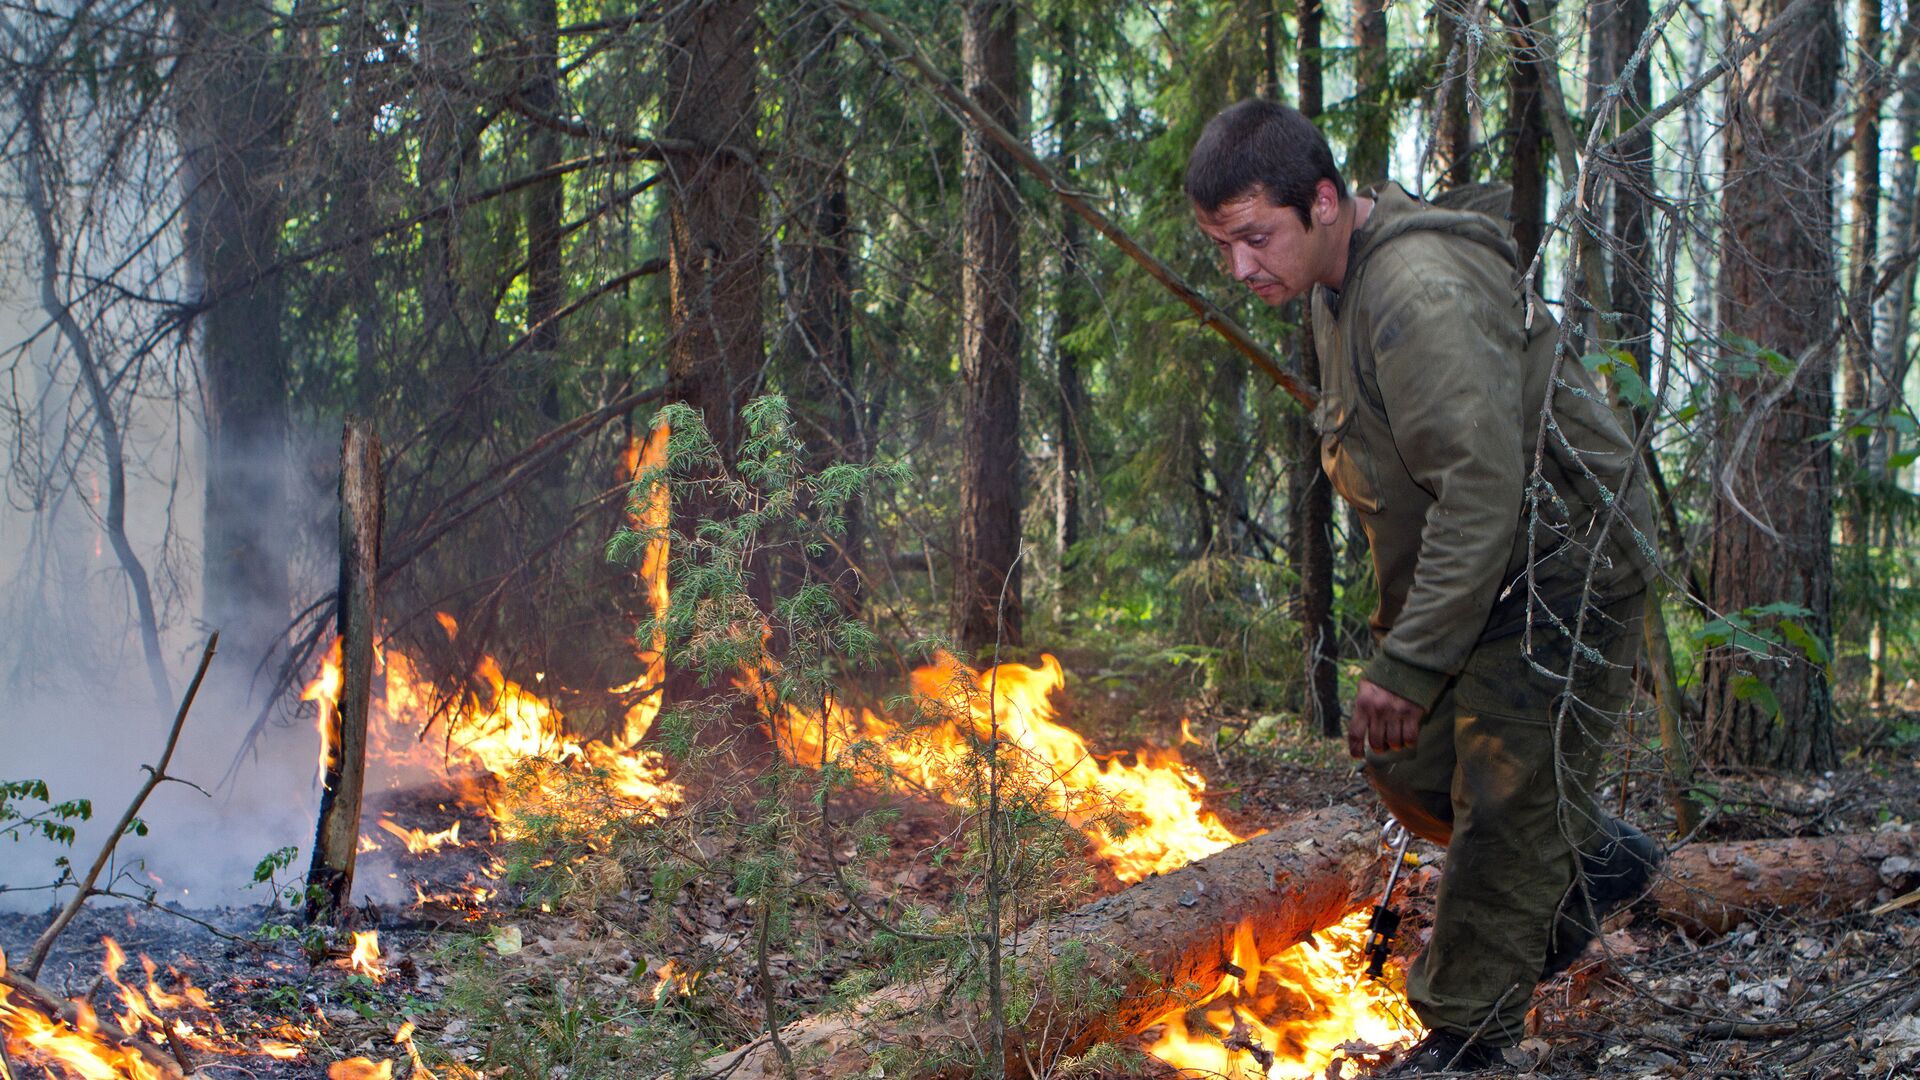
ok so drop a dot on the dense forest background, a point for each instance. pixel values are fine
(925, 275)
(505, 233)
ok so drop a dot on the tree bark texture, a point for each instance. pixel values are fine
(1777, 288)
(986, 588)
(1070, 406)
(1454, 76)
(1712, 888)
(1527, 124)
(1373, 115)
(545, 205)
(1148, 941)
(1309, 495)
(713, 235)
(362, 511)
(818, 345)
(230, 110)
(1858, 380)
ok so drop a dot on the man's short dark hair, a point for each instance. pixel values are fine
(1260, 144)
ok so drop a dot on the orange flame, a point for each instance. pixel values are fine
(423, 843)
(80, 1049)
(651, 516)
(365, 959)
(1292, 1013)
(359, 1068)
(1156, 792)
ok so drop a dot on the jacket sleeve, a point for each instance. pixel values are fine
(1449, 369)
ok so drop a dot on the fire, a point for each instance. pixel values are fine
(359, 1068)
(494, 724)
(82, 1049)
(423, 843)
(1157, 792)
(365, 959)
(672, 980)
(1290, 1015)
(653, 517)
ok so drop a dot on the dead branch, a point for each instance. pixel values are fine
(156, 775)
(1711, 888)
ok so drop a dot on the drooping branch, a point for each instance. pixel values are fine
(113, 451)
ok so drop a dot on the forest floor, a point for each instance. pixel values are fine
(555, 985)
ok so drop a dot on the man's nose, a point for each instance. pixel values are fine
(1242, 263)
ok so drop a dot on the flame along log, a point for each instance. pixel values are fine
(1156, 942)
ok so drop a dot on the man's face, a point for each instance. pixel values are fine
(1268, 247)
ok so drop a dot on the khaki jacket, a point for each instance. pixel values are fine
(1428, 425)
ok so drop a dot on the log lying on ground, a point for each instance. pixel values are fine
(1711, 888)
(1151, 944)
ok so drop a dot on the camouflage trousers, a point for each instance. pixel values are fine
(1502, 776)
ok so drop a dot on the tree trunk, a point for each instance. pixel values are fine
(713, 235)
(1373, 115)
(362, 510)
(1526, 120)
(818, 349)
(230, 111)
(1146, 943)
(986, 586)
(1776, 288)
(1855, 518)
(1309, 495)
(1454, 72)
(1071, 395)
(1903, 227)
(545, 205)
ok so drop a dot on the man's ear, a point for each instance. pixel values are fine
(1326, 202)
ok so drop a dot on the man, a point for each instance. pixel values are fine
(1479, 718)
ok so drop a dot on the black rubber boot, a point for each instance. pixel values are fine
(1446, 1052)
(1616, 874)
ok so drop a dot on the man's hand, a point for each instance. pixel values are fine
(1381, 719)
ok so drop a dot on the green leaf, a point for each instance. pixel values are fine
(1750, 689)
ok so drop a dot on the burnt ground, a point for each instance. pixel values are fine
(497, 986)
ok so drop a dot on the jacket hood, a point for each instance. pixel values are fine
(1476, 212)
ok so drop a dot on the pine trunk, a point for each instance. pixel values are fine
(1777, 289)
(231, 114)
(986, 601)
(713, 237)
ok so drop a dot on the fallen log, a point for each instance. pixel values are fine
(1118, 963)
(1711, 888)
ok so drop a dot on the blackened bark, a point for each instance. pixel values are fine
(986, 599)
(362, 512)
(231, 111)
(1777, 288)
(1373, 116)
(1526, 120)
